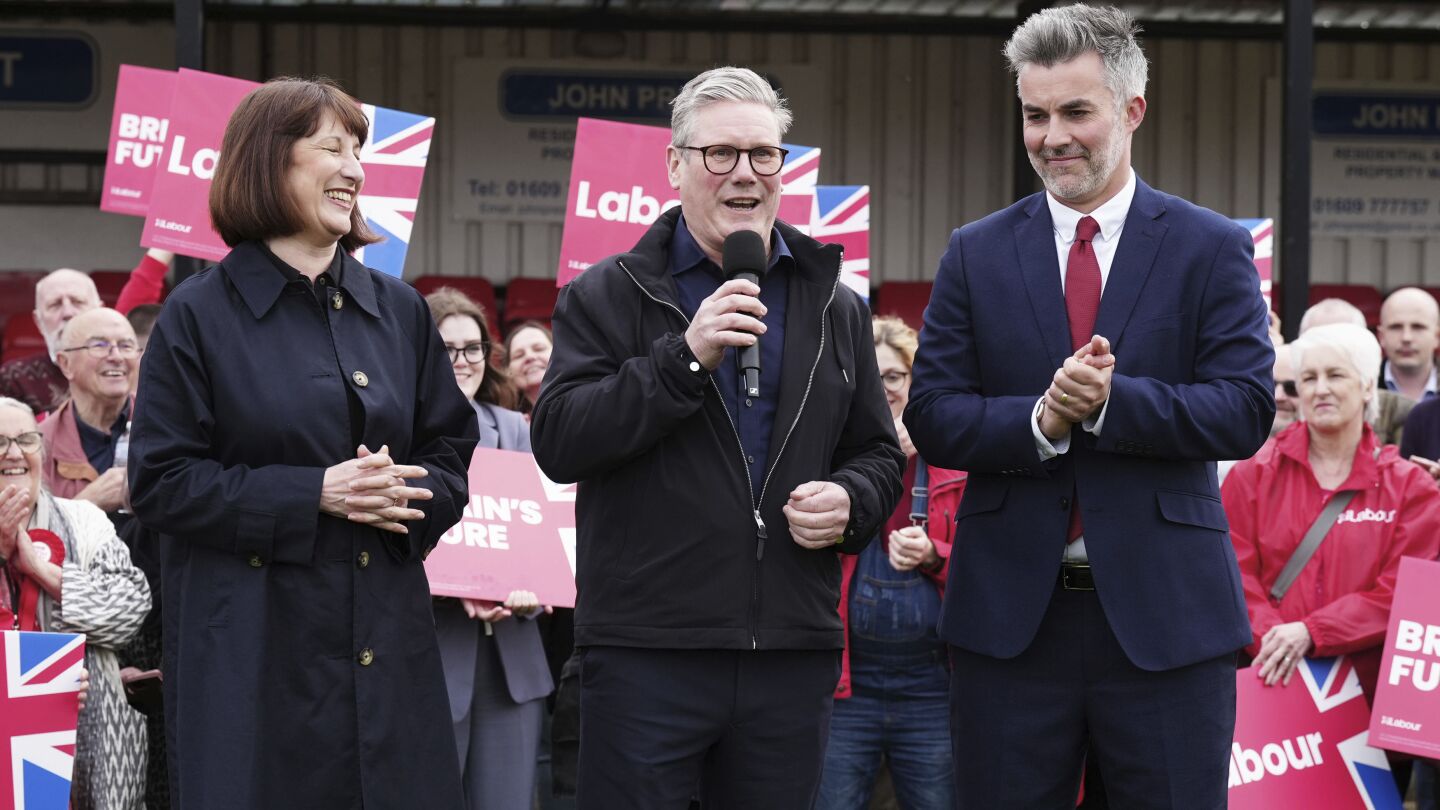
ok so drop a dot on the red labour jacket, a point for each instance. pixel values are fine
(946, 487)
(1343, 593)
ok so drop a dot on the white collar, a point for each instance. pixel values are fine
(1110, 216)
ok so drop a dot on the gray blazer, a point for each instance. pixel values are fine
(522, 656)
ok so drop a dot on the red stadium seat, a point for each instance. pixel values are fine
(905, 299)
(22, 338)
(479, 289)
(17, 293)
(1366, 298)
(109, 283)
(529, 299)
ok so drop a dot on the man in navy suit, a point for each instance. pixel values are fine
(1088, 353)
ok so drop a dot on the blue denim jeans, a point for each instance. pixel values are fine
(899, 706)
(900, 710)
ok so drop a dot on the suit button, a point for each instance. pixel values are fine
(1064, 503)
(255, 561)
(366, 657)
(363, 560)
(360, 379)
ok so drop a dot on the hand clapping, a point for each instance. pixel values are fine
(1080, 388)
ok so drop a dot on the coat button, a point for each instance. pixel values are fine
(363, 560)
(366, 657)
(337, 300)
(360, 379)
(1064, 503)
(255, 561)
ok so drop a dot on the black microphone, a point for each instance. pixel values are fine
(744, 257)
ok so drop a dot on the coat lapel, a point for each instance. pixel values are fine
(1039, 266)
(1134, 259)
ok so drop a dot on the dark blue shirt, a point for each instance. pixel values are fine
(99, 444)
(696, 277)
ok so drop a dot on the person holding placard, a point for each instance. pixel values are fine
(87, 584)
(300, 445)
(1321, 516)
(495, 668)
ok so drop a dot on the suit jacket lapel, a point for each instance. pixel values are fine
(1040, 267)
(1134, 259)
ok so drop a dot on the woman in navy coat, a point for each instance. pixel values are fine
(495, 667)
(300, 445)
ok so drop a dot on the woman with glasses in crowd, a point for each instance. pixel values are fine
(892, 700)
(495, 667)
(1340, 601)
(300, 446)
(93, 589)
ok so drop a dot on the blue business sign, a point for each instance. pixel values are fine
(540, 94)
(1391, 115)
(47, 70)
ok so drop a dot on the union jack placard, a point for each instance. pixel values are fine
(1306, 744)
(394, 159)
(842, 216)
(42, 686)
(1262, 231)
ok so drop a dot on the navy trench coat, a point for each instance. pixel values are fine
(300, 657)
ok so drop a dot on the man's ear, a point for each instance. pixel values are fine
(1134, 113)
(673, 158)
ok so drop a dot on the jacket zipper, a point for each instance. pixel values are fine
(761, 534)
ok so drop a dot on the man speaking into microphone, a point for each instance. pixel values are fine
(711, 506)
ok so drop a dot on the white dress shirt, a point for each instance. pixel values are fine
(1110, 216)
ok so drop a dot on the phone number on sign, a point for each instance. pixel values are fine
(1391, 206)
(531, 189)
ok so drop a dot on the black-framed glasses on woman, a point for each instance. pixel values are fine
(101, 347)
(722, 158)
(29, 442)
(474, 352)
(894, 380)
(1289, 387)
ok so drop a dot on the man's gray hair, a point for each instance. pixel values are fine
(1356, 343)
(723, 84)
(1331, 310)
(1058, 35)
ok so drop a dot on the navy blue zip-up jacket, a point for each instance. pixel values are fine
(673, 551)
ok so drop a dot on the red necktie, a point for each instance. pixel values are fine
(1082, 303)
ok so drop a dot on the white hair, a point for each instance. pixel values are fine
(1356, 344)
(1331, 310)
(11, 402)
(723, 84)
(1056, 35)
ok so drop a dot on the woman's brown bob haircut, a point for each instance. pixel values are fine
(248, 197)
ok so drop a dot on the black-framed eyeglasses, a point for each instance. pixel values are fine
(29, 442)
(721, 158)
(1289, 387)
(101, 348)
(894, 380)
(474, 352)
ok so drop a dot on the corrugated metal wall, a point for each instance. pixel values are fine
(927, 121)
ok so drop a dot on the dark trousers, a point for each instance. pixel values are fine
(745, 728)
(1022, 727)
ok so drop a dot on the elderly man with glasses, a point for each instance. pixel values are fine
(85, 437)
(710, 513)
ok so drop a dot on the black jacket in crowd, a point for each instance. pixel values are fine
(672, 552)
